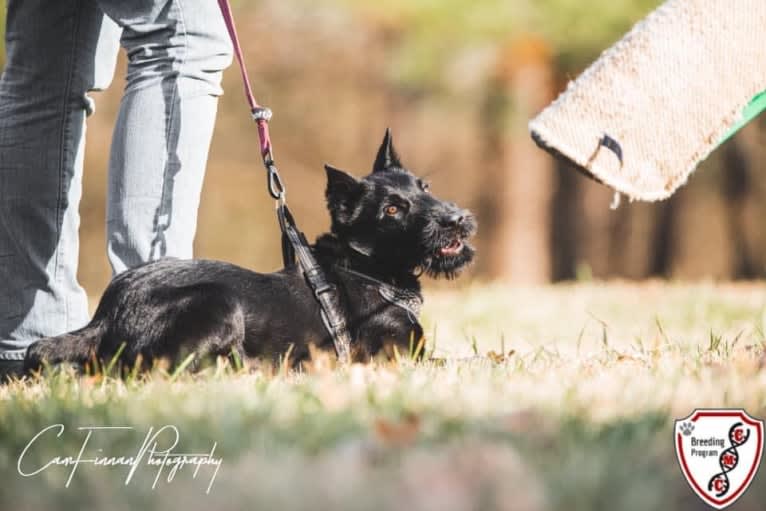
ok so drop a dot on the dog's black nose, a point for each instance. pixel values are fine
(453, 219)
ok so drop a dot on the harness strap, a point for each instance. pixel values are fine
(324, 291)
(405, 299)
(294, 244)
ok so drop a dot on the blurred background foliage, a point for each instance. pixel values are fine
(457, 81)
(431, 33)
(2, 40)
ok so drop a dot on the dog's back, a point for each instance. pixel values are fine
(170, 308)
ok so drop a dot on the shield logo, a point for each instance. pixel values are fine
(719, 451)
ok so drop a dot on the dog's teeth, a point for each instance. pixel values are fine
(452, 248)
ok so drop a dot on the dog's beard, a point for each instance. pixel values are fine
(427, 248)
(443, 254)
(447, 251)
(448, 266)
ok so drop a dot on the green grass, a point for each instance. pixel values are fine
(573, 410)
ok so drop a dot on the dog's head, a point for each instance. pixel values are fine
(391, 216)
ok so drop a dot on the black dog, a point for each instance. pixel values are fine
(386, 230)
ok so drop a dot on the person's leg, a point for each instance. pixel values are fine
(177, 51)
(57, 50)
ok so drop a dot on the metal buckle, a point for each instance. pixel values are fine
(323, 288)
(262, 113)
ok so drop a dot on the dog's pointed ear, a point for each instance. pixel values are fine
(339, 183)
(342, 192)
(387, 157)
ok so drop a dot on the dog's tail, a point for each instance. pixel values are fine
(74, 347)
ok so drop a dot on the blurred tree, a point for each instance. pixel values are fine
(517, 247)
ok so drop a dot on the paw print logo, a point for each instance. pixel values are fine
(687, 428)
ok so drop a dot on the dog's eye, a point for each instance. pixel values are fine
(424, 186)
(392, 210)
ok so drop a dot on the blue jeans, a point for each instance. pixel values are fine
(58, 51)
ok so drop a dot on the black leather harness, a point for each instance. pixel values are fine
(295, 247)
(405, 299)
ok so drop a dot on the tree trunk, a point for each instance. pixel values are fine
(521, 179)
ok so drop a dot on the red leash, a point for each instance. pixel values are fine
(261, 115)
(294, 244)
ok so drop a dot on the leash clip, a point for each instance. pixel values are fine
(276, 188)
